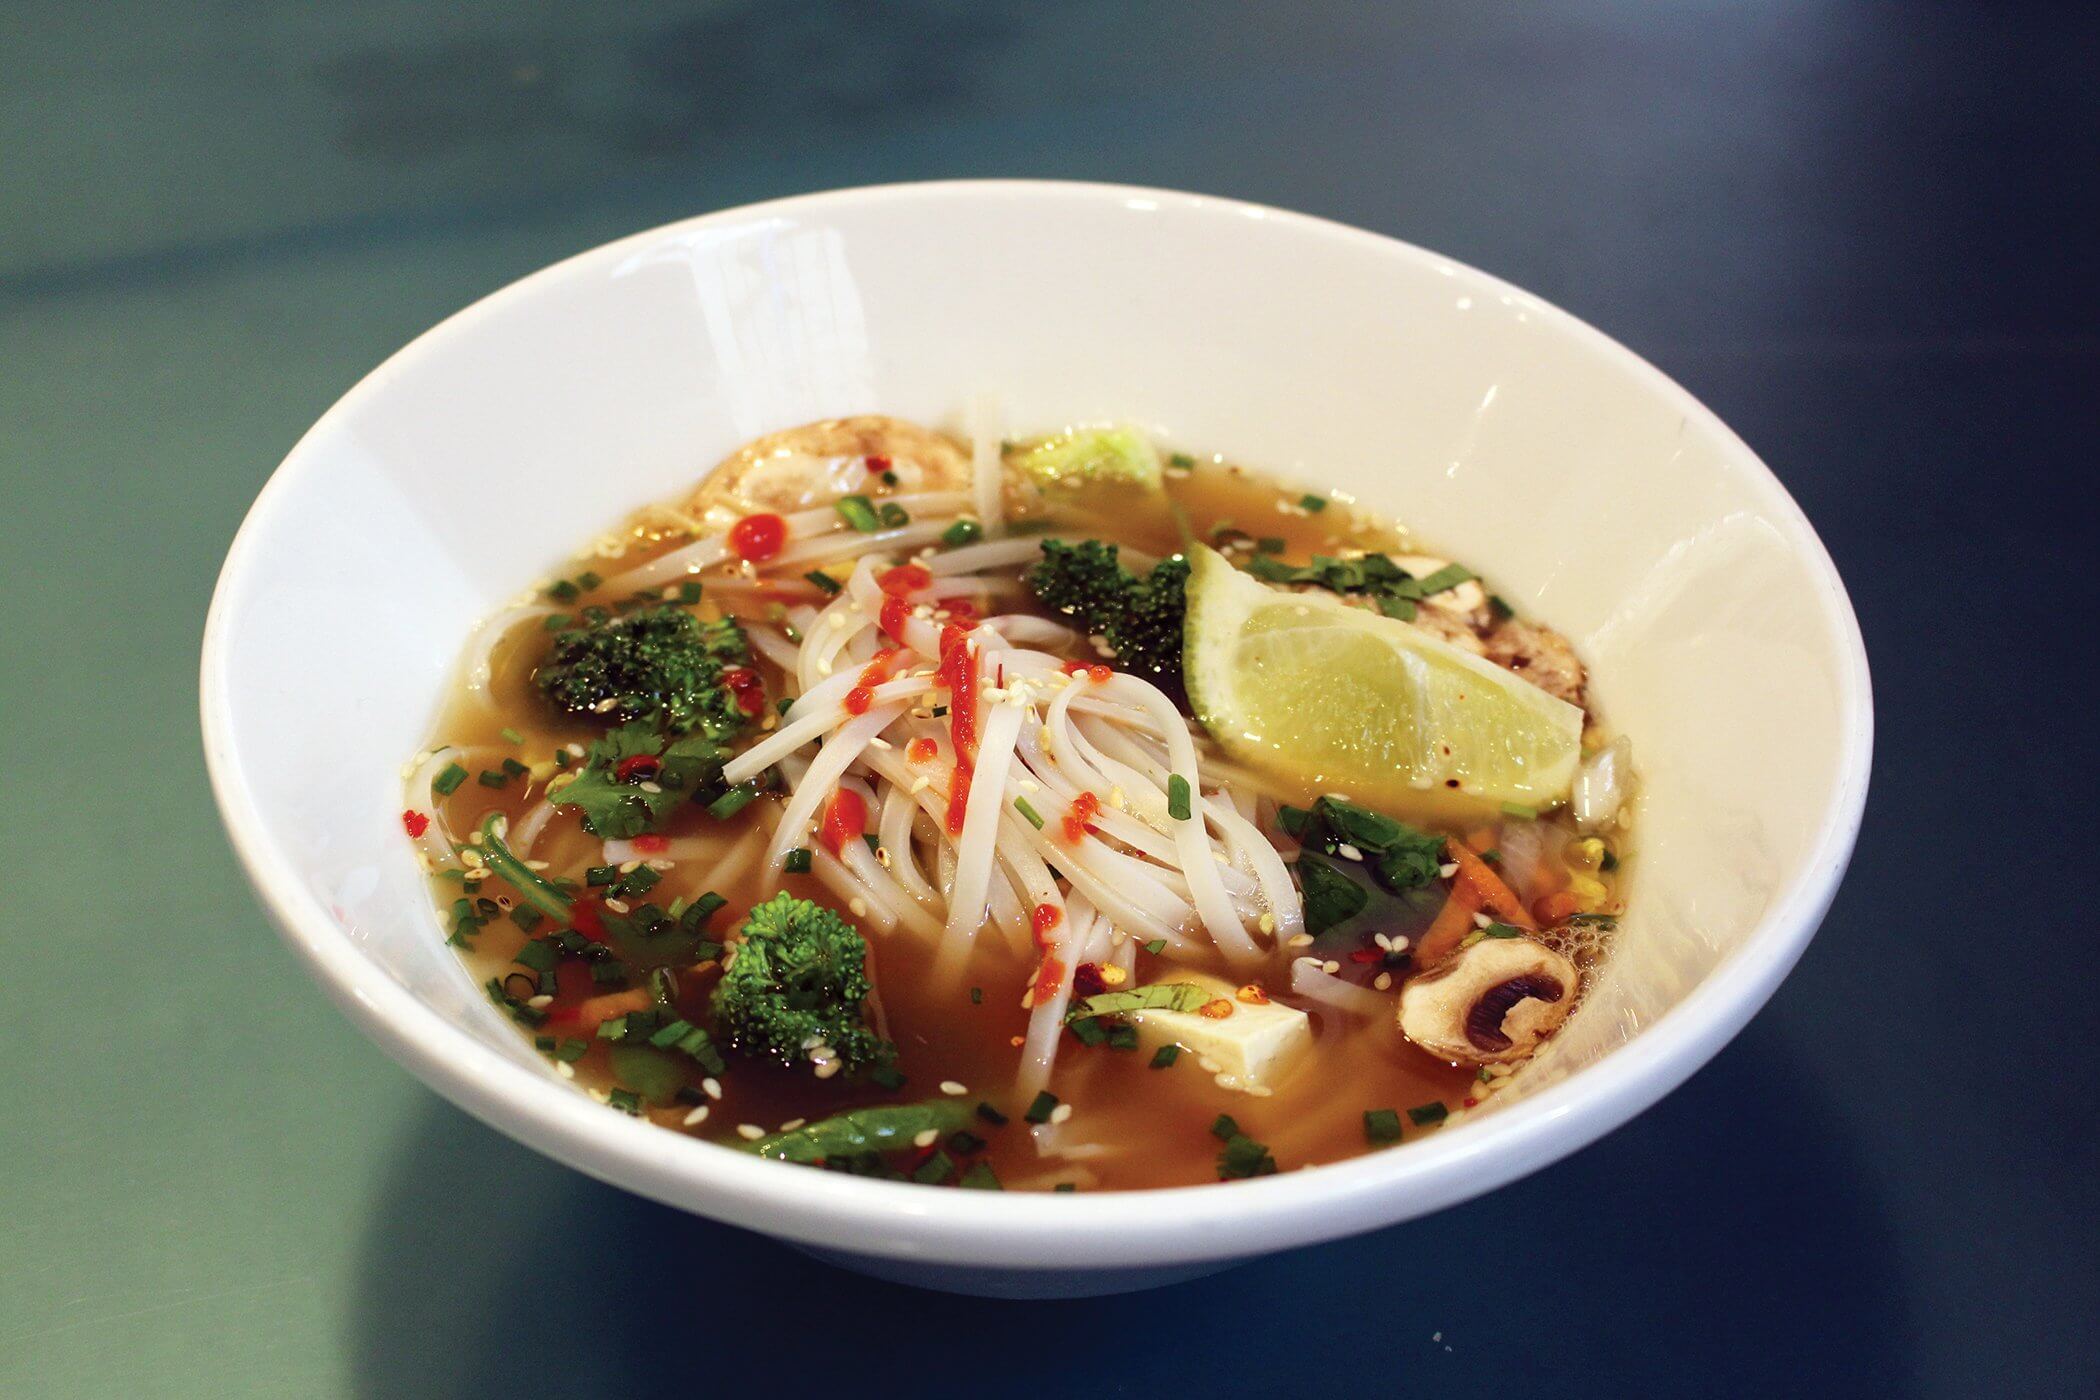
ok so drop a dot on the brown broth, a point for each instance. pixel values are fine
(1155, 1121)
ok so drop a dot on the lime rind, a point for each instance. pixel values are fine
(1089, 461)
(1334, 697)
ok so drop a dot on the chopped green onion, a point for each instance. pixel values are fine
(859, 512)
(1313, 503)
(992, 1115)
(1244, 1157)
(1088, 1031)
(1177, 798)
(1180, 459)
(493, 778)
(1122, 1037)
(1040, 1110)
(1270, 544)
(1035, 818)
(601, 875)
(1518, 809)
(934, 1170)
(824, 581)
(1165, 1056)
(976, 996)
(689, 592)
(1501, 931)
(1498, 607)
(798, 861)
(1065, 1188)
(887, 1077)
(448, 781)
(1381, 1125)
(1156, 946)
(962, 532)
(980, 1178)
(1428, 1113)
(894, 515)
(962, 1142)
(512, 735)
(1224, 1128)
(626, 1100)
(940, 711)
(732, 801)
(588, 580)
(554, 622)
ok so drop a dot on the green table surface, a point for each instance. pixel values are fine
(1863, 233)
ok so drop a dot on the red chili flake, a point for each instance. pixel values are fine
(905, 578)
(1045, 918)
(896, 612)
(746, 687)
(1086, 981)
(845, 819)
(758, 537)
(1099, 675)
(1048, 978)
(1367, 955)
(961, 611)
(649, 843)
(1074, 668)
(1080, 815)
(921, 750)
(636, 768)
(878, 464)
(1471, 1102)
(585, 919)
(415, 822)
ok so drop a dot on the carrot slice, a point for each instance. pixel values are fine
(1494, 896)
(1450, 927)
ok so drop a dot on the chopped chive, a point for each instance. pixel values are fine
(1065, 1188)
(824, 581)
(1244, 1157)
(677, 907)
(1313, 503)
(1123, 1037)
(514, 769)
(1087, 1031)
(962, 532)
(732, 801)
(992, 1115)
(1381, 1125)
(588, 580)
(1035, 818)
(940, 711)
(1500, 608)
(1224, 1128)
(894, 515)
(859, 512)
(962, 1142)
(1156, 946)
(1165, 1056)
(976, 996)
(512, 735)
(874, 841)
(889, 478)
(1270, 544)
(689, 592)
(798, 861)
(562, 590)
(934, 1170)
(572, 1050)
(639, 880)
(979, 1178)
(1180, 459)
(1039, 1111)
(1501, 931)
(601, 875)
(1610, 861)
(887, 1077)
(784, 704)
(1428, 1113)
(448, 781)
(554, 622)
(494, 778)
(626, 1100)
(1177, 798)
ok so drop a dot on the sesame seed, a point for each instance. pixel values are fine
(750, 1132)
(926, 1138)
(1383, 981)
(1260, 1091)
(1298, 940)
(1448, 870)
(1330, 967)
(1207, 1065)
(1061, 1113)
(696, 1117)
(952, 1089)
(824, 1069)
(1481, 921)
(1266, 923)
(712, 1087)
(1348, 852)
(543, 999)
(1228, 1081)
(629, 867)
(618, 906)
(859, 907)
(792, 1124)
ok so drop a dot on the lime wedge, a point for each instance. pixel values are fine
(1333, 697)
(1088, 463)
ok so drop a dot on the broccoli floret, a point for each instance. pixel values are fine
(1140, 618)
(798, 979)
(660, 665)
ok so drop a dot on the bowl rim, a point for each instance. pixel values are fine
(1039, 1230)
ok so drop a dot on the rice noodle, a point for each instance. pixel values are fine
(987, 467)
(1309, 979)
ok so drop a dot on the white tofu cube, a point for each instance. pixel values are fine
(1257, 1045)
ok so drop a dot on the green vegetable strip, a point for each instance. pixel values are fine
(1160, 996)
(1035, 818)
(884, 1128)
(1178, 798)
(525, 880)
(859, 512)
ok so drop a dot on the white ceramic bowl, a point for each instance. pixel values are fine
(1599, 496)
